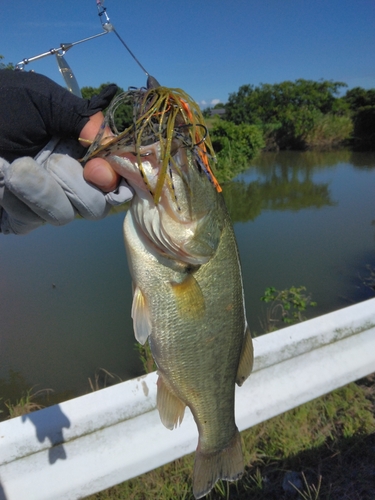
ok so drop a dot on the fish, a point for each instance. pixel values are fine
(188, 299)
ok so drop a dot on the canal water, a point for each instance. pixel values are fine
(301, 219)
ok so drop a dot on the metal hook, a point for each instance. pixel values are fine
(205, 134)
(183, 125)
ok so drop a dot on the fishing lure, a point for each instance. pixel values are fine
(160, 114)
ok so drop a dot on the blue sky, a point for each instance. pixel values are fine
(209, 48)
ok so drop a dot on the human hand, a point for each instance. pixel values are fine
(50, 189)
(98, 171)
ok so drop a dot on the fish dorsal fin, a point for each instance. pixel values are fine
(141, 317)
(189, 298)
(171, 408)
(246, 359)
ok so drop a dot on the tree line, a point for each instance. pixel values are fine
(301, 114)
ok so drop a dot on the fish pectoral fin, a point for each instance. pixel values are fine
(141, 317)
(210, 467)
(171, 408)
(246, 359)
(189, 298)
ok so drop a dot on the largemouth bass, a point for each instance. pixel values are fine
(188, 296)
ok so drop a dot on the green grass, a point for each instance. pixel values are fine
(328, 443)
(27, 403)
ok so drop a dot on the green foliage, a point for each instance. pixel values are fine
(5, 66)
(358, 97)
(344, 412)
(13, 384)
(329, 130)
(17, 398)
(286, 111)
(286, 306)
(124, 113)
(268, 103)
(364, 129)
(145, 355)
(234, 145)
(362, 105)
(206, 113)
(27, 403)
(303, 114)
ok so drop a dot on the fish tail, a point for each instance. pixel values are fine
(210, 467)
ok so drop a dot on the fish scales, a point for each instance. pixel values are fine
(188, 300)
(206, 346)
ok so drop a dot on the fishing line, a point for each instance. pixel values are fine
(64, 68)
(108, 26)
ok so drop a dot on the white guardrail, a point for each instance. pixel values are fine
(84, 445)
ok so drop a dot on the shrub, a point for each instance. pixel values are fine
(329, 131)
(235, 145)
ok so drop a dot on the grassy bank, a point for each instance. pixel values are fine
(321, 450)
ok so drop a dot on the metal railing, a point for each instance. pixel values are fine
(90, 443)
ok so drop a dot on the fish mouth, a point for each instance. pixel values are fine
(164, 116)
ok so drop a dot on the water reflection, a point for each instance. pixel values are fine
(309, 222)
(305, 161)
(65, 293)
(280, 189)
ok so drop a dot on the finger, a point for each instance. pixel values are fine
(17, 218)
(99, 172)
(87, 199)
